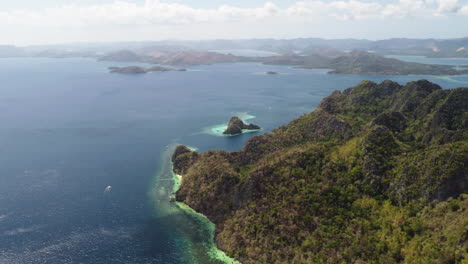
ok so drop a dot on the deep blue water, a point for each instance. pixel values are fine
(69, 129)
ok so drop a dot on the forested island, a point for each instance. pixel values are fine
(139, 69)
(377, 173)
(355, 62)
(361, 62)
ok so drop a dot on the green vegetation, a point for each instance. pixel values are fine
(361, 62)
(377, 173)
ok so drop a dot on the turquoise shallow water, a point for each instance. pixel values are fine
(218, 129)
(69, 129)
(426, 60)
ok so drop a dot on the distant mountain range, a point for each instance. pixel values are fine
(449, 48)
(341, 56)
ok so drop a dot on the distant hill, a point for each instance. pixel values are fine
(191, 58)
(361, 62)
(448, 48)
(121, 55)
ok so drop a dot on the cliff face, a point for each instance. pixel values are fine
(368, 176)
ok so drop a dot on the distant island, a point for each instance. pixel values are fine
(236, 125)
(191, 58)
(346, 56)
(140, 70)
(122, 56)
(362, 63)
(354, 62)
(170, 57)
(377, 173)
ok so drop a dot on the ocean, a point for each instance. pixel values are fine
(69, 129)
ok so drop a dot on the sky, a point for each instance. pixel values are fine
(32, 22)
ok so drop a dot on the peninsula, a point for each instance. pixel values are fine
(378, 173)
(363, 63)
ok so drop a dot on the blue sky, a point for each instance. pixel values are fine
(25, 22)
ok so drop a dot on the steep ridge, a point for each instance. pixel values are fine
(377, 173)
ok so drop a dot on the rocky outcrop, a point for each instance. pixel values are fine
(183, 158)
(236, 125)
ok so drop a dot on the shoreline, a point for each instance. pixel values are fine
(244, 131)
(214, 252)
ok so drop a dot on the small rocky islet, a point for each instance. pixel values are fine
(236, 125)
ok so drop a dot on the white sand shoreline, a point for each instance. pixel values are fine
(214, 252)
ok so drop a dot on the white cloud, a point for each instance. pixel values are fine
(156, 12)
(354, 9)
(158, 19)
(448, 6)
(126, 13)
